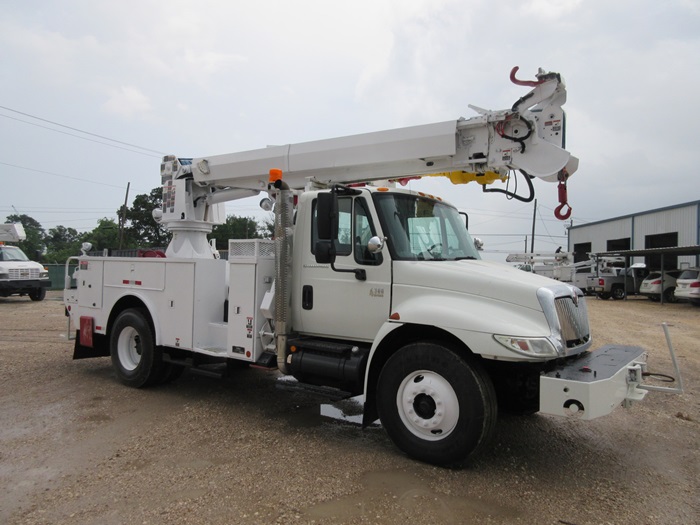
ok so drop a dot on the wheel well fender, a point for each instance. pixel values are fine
(394, 339)
(132, 301)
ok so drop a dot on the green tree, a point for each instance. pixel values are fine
(105, 236)
(141, 230)
(61, 243)
(266, 228)
(235, 228)
(34, 244)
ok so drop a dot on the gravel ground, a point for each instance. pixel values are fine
(77, 447)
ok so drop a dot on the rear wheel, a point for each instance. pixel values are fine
(618, 293)
(436, 406)
(135, 358)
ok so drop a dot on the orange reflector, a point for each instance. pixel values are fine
(275, 175)
(382, 189)
(292, 349)
(395, 316)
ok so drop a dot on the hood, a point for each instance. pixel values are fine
(475, 277)
(20, 264)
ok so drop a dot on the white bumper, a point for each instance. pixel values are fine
(594, 384)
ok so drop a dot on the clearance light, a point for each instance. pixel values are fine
(395, 316)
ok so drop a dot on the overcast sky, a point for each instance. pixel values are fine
(198, 78)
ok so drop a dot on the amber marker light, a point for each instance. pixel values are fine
(275, 175)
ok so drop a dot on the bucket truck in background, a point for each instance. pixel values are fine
(367, 289)
(18, 274)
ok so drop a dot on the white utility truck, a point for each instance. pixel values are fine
(18, 274)
(369, 289)
(559, 266)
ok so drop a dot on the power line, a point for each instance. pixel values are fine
(76, 129)
(82, 138)
(60, 175)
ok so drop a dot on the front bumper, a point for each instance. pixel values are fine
(24, 284)
(595, 383)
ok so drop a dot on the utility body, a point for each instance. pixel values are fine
(367, 289)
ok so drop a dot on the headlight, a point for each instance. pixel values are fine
(43, 275)
(529, 346)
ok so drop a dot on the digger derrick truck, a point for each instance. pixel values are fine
(368, 288)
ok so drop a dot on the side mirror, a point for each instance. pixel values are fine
(325, 252)
(327, 216)
(375, 245)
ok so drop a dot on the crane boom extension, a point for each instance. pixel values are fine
(530, 137)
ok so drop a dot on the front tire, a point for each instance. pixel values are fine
(435, 405)
(670, 295)
(37, 294)
(135, 358)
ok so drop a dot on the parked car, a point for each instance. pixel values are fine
(688, 286)
(651, 286)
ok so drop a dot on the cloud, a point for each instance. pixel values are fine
(128, 102)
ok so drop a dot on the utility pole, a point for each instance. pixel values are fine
(532, 240)
(122, 219)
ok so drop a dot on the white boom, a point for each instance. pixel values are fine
(528, 137)
(12, 232)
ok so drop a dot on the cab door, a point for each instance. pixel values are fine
(337, 304)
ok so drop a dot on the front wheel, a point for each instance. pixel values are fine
(435, 405)
(37, 294)
(135, 358)
(670, 295)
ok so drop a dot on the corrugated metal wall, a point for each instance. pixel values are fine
(682, 219)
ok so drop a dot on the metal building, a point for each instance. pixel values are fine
(671, 226)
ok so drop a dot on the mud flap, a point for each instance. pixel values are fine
(594, 384)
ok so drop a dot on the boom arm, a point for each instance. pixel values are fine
(529, 137)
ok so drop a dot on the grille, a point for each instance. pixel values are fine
(251, 248)
(24, 273)
(573, 320)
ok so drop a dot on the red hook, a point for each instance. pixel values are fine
(563, 198)
(531, 83)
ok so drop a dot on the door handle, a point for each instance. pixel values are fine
(307, 297)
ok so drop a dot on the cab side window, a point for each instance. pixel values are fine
(344, 244)
(355, 229)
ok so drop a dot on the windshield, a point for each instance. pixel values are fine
(420, 228)
(12, 253)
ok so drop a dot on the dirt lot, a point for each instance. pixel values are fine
(77, 447)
